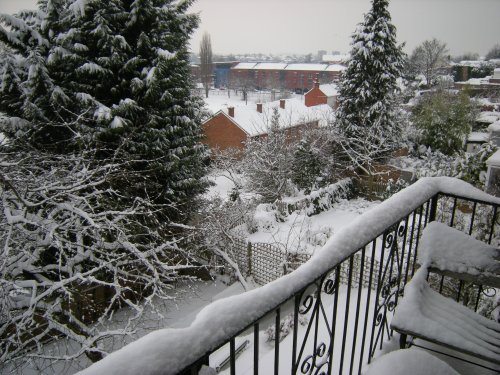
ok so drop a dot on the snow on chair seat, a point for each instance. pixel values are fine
(423, 313)
(450, 252)
(409, 362)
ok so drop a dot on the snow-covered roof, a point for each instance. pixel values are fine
(270, 66)
(494, 160)
(472, 63)
(295, 113)
(496, 73)
(478, 81)
(495, 127)
(245, 66)
(478, 137)
(330, 89)
(335, 68)
(488, 117)
(306, 67)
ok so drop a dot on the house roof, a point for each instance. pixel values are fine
(295, 113)
(329, 89)
(270, 66)
(306, 67)
(285, 66)
(245, 66)
(476, 137)
(335, 68)
(488, 117)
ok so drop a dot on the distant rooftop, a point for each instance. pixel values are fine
(293, 66)
(295, 113)
(330, 89)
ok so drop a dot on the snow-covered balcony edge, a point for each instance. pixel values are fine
(170, 351)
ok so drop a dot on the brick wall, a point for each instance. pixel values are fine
(315, 97)
(221, 133)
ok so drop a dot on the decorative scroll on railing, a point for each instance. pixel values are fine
(319, 324)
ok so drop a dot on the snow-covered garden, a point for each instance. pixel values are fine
(127, 246)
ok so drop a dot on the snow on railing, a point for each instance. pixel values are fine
(169, 351)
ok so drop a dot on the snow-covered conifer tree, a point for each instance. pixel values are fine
(114, 75)
(366, 115)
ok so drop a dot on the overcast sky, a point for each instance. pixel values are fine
(306, 26)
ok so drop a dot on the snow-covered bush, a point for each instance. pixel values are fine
(472, 166)
(324, 198)
(393, 186)
(286, 327)
(445, 120)
(267, 162)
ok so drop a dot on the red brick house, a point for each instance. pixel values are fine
(232, 126)
(322, 94)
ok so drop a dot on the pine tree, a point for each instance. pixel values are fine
(115, 75)
(366, 115)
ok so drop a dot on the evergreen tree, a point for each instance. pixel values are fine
(445, 120)
(366, 116)
(115, 75)
(306, 166)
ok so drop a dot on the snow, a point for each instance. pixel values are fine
(91, 68)
(496, 73)
(409, 362)
(167, 351)
(494, 127)
(222, 187)
(434, 316)
(449, 249)
(270, 66)
(284, 66)
(305, 234)
(329, 89)
(306, 67)
(294, 114)
(478, 137)
(117, 122)
(78, 7)
(336, 58)
(244, 66)
(488, 117)
(335, 68)
(166, 54)
(494, 160)
(178, 313)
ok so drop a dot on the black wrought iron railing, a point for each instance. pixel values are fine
(313, 321)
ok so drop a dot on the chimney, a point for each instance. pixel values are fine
(259, 107)
(230, 111)
(282, 103)
(316, 82)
